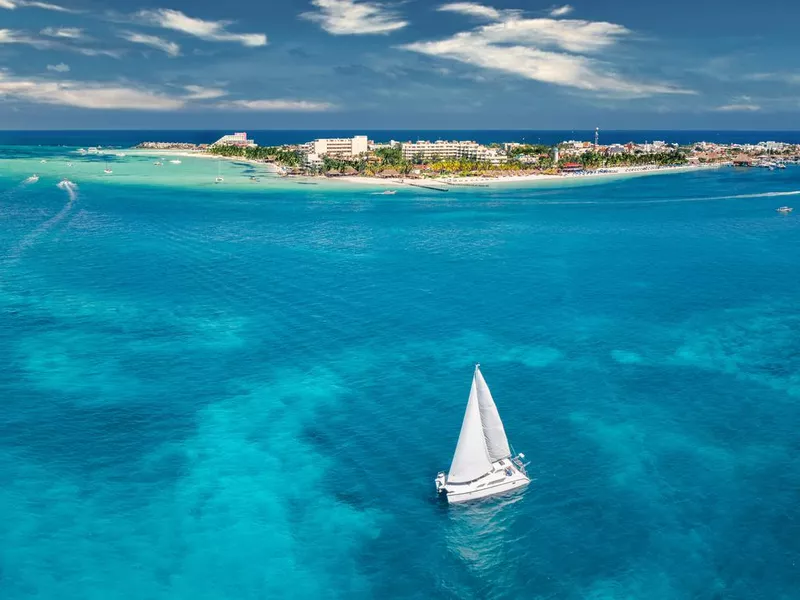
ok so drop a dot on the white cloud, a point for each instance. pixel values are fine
(98, 52)
(197, 92)
(10, 36)
(90, 95)
(12, 4)
(788, 78)
(212, 31)
(472, 9)
(349, 17)
(543, 49)
(561, 11)
(278, 105)
(59, 68)
(738, 108)
(47, 6)
(170, 48)
(72, 33)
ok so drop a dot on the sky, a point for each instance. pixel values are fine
(417, 64)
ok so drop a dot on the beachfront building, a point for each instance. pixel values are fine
(235, 139)
(313, 160)
(340, 146)
(444, 150)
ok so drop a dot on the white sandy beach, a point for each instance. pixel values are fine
(533, 178)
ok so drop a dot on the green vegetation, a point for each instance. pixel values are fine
(278, 154)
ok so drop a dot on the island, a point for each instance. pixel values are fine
(464, 162)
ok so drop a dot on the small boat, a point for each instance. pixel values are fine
(389, 193)
(93, 150)
(483, 464)
(218, 178)
(107, 170)
(81, 151)
(65, 183)
(158, 163)
(781, 165)
(784, 210)
(32, 179)
(175, 162)
(121, 154)
(69, 164)
(254, 178)
(43, 161)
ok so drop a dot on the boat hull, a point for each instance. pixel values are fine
(506, 475)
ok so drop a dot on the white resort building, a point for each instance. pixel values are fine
(452, 150)
(235, 139)
(340, 146)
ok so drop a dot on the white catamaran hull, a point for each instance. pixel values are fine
(506, 475)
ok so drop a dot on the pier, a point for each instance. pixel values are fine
(427, 187)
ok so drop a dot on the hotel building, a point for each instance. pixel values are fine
(235, 139)
(452, 150)
(340, 146)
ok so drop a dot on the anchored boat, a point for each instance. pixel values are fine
(483, 464)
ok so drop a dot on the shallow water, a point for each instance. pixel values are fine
(221, 392)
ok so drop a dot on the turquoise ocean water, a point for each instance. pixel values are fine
(245, 391)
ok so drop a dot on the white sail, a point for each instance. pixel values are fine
(493, 430)
(471, 460)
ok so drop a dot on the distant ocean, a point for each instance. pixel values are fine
(277, 137)
(245, 391)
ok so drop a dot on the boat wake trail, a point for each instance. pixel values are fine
(30, 239)
(763, 195)
(673, 200)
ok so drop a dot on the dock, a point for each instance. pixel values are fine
(427, 187)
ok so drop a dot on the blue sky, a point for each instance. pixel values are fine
(306, 64)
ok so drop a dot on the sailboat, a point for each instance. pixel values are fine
(219, 178)
(483, 464)
(107, 170)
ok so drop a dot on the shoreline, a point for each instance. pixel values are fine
(470, 181)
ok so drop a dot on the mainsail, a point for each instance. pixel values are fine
(471, 460)
(493, 431)
(482, 439)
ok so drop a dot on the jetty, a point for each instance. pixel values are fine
(427, 187)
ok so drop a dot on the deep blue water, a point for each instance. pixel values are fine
(277, 137)
(212, 395)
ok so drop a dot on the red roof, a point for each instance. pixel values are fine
(572, 165)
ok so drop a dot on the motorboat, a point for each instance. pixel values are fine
(483, 464)
(784, 210)
(32, 179)
(158, 163)
(175, 161)
(389, 193)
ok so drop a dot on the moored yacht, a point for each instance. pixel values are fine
(483, 464)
